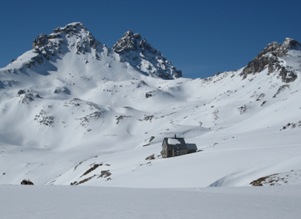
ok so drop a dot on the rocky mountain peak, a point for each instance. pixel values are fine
(71, 28)
(131, 41)
(141, 55)
(271, 58)
(279, 50)
(291, 44)
(73, 37)
(73, 33)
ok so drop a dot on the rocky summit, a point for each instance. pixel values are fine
(141, 55)
(273, 58)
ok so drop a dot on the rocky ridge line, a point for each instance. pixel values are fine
(271, 58)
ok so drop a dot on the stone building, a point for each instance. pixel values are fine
(175, 146)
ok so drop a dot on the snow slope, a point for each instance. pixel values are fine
(74, 112)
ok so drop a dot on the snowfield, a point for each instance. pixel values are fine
(62, 202)
(76, 113)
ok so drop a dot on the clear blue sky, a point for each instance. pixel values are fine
(199, 37)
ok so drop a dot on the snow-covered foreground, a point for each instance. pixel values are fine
(48, 202)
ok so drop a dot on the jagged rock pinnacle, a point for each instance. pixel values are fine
(141, 55)
(131, 41)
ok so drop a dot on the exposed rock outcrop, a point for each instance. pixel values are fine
(271, 58)
(26, 182)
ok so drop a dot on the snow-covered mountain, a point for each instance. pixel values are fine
(74, 46)
(74, 112)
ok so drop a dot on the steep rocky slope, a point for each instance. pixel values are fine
(276, 58)
(142, 56)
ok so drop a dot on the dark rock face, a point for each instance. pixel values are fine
(26, 182)
(286, 75)
(63, 90)
(270, 58)
(150, 157)
(141, 55)
(40, 41)
(27, 96)
(71, 29)
(291, 44)
(130, 42)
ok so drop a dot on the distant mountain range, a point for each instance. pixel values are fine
(75, 112)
